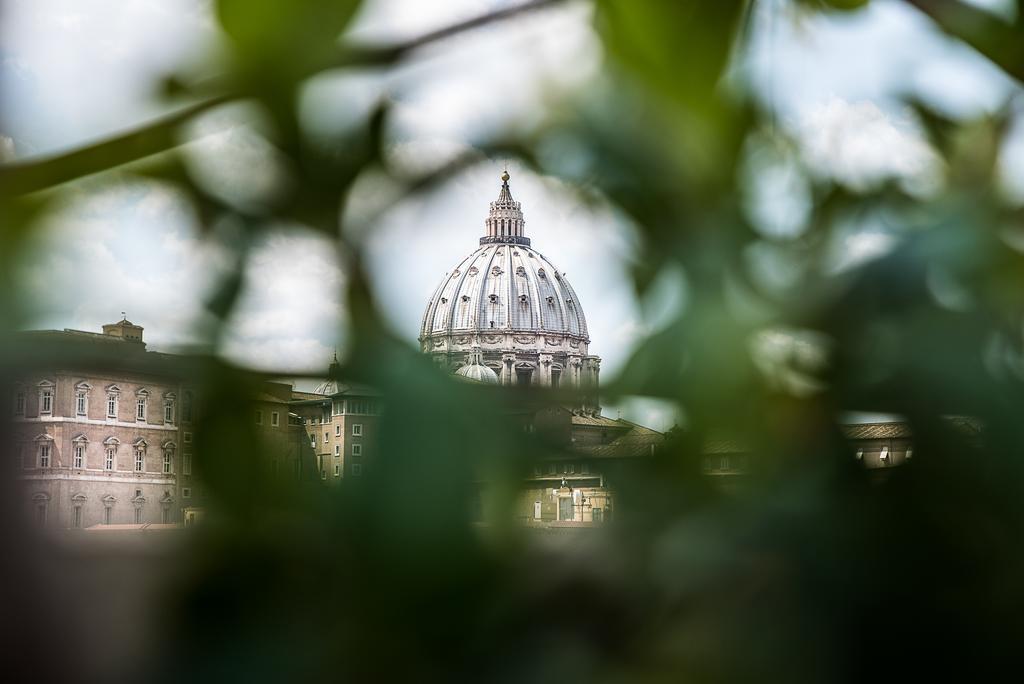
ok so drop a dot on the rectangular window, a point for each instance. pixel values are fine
(357, 430)
(337, 470)
(138, 515)
(598, 515)
(327, 437)
(140, 460)
(108, 515)
(186, 437)
(76, 517)
(275, 419)
(168, 412)
(108, 463)
(357, 468)
(111, 406)
(41, 513)
(140, 409)
(19, 404)
(186, 464)
(585, 468)
(46, 401)
(536, 510)
(337, 450)
(167, 462)
(259, 417)
(337, 431)
(551, 468)
(44, 455)
(323, 474)
(357, 449)
(165, 515)
(78, 459)
(312, 441)
(186, 492)
(80, 404)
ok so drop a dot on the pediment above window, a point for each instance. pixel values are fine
(80, 439)
(142, 392)
(112, 441)
(43, 384)
(79, 497)
(113, 389)
(83, 386)
(44, 438)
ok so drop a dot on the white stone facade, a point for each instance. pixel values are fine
(511, 303)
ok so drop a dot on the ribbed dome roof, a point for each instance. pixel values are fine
(504, 284)
(477, 372)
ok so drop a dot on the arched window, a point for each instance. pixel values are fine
(41, 504)
(78, 447)
(141, 404)
(140, 455)
(45, 398)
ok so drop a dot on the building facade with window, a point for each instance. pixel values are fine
(341, 424)
(101, 446)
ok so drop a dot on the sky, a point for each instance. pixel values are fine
(72, 71)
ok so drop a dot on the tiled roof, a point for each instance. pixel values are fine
(877, 430)
(639, 441)
(601, 421)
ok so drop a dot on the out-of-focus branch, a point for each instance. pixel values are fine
(19, 178)
(1001, 42)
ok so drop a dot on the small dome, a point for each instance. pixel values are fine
(477, 372)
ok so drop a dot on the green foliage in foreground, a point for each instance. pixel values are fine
(810, 573)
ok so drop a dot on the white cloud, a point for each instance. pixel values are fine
(861, 146)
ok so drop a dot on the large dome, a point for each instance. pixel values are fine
(509, 300)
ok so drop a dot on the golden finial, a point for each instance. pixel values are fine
(505, 176)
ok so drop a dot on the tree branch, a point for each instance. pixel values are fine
(19, 178)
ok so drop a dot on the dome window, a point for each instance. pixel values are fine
(473, 270)
(551, 301)
(493, 298)
(523, 299)
(444, 300)
(496, 271)
(520, 271)
(465, 298)
(455, 273)
(541, 273)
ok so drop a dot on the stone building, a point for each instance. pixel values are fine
(103, 442)
(109, 439)
(341, 424)
(505, 315)
(506, 307)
